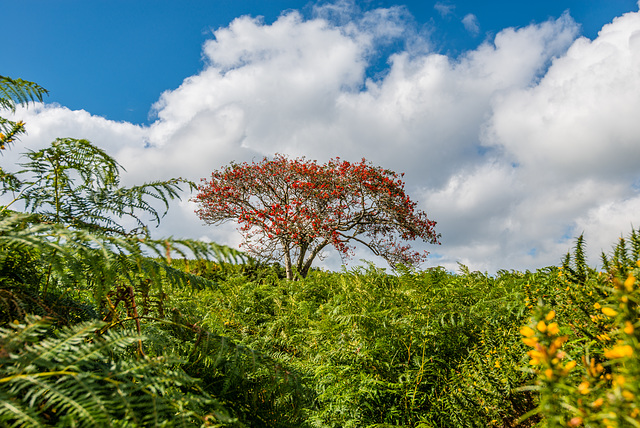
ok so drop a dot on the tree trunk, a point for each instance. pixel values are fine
(287, 262)
(307, 264)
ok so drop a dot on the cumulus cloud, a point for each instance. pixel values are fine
(515, 147)
(575, 136)
(583, 112)
(470, 22)
(294, 87)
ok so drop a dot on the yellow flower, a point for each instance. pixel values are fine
(548, 373)
(531, 341)
(558, 341)
(553, 329)
(597, 403)
(527, 331)
(570, 365)
(620, 351)
(583, 388)
(628, 395)
(537, 357)
(542, 327)
(536, 354)
(628, 327)
(609, 312)
(628, 283)
(550, 315)
(597, 305)
(619, 380)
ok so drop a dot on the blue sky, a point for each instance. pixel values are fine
(516, 123)
(114, 58)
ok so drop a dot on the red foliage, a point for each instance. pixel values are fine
(293, 209)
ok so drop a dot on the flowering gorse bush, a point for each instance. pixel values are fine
(293, 209)
(595, 381)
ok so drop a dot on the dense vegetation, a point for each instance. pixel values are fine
(101, 325)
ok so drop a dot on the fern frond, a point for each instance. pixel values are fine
(17, 413)
(14, 92)
(9, 131)
(128, 200)
(19, 92)
(74, 375)
(97, 262)
(8, 182)
(75, 183)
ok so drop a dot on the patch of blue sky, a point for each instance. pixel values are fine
(115, 58)
(569, 234)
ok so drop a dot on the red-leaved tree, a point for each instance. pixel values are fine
(290, 210)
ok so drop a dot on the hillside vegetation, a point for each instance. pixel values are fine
(201, 343)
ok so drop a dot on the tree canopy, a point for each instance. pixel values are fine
(292, 209)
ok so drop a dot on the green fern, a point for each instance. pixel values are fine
(72, 189)
(96, 262)
(19, 92)
(75, 183)
(14, 92)
(75, 378)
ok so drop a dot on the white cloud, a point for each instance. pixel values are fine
(470, 22)
(575, 138)
(45, 123)
(444, 9)
(581, 119)
(515, 147)
(602, 224)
